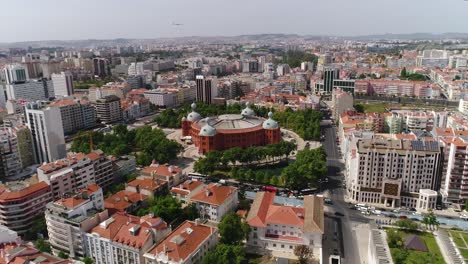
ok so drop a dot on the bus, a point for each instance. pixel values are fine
(270, 189)
(308, 191)
(197, 176)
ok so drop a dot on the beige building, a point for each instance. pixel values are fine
(69, 217)
(277, 230)
(184, 191)
(391, 172)
(109, 109)
(341, 102)
(168, 173)
(215, 200)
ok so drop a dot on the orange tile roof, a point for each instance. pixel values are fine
(147, 184)
(161, 170)
(264, 212)
(120, 201)
(7, 195)
(23, 254)
(118, 228)
(186, 187)
(78, 198)
(63, 102)
(183, 241)
(93, 155)
(214, 194)
(62, 163)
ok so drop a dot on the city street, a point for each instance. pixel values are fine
(354, 246)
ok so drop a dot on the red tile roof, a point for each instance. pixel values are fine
(161, 170)
(186, 187)
(122, 200)
(147, 184)
(184, 241)
(214, 194)
(7, 195)
(78, 198)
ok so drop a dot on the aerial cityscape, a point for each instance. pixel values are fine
(244, 132)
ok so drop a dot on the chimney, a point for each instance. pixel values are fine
(126, 198)
(151, 215)
(165, 248)
(171, 169)
(207, 193)
(197, 221)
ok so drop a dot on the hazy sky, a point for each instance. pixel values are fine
(82, 19)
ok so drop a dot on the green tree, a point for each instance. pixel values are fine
(394, 238)
(225, 254)
(403, 73)
(63, 255)
(167, 207)
(232, 230)
(310, 165)
(42, 245)
(466, 205)
(191, 212)
(88, 260)
(303, 253)
(407, 224)
(400, 255)
(430, 219)
(359, 108)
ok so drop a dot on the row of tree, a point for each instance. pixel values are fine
(294, 58)
(169, 208)
(306, 123)
(251, 157)
(145, 142)
(171, 118)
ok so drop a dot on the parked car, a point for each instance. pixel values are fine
(339, 214)
(403, 217)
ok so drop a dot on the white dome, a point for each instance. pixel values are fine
(247, 111)
(194, 116)
(270, 123)
(207, 130)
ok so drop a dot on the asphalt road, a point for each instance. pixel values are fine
(347, 235)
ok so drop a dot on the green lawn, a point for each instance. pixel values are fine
(433, 255)
(375, 107)
(457, 239)
(464, 253)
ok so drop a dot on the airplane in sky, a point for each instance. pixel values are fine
(177, 24)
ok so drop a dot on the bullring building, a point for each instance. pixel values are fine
(230, 130)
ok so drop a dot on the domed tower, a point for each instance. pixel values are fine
(272, 130)
(247, 110)
(206, 137)
(187, 121)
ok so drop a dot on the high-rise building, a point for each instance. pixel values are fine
(70, 217)
(329, 75)
(109, 109)
(103, 171)
(63, 84)
(392, 172)
(207, 89)
(101, 67)
(75, 115)
(15, 73)
(31, 90)
(47, 132)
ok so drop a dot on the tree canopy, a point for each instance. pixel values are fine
(306, 123)
(167, 207)
(294, 58)
(225, 254)
(232, 230)
(150, 143)
(251, 157)
(309, 167)
(303, 253)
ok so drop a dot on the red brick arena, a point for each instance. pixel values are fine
(232, 130)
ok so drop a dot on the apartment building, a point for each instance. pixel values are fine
(168, 173)
(109, 109)
(391, 172)
(188, 244)
(63, 83)
(68, 175)
(124, 238)
(161, 98)
(47, 132)
(76, 115)
(30, 90)
(22, 203)
(385, 87)
(454, 187)
(103, 171)
(184, 191)
(69, 217)
(16, 152)
(278, 229)
(341, 102)
(215, 200)
(27, 253)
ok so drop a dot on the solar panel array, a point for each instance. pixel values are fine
(419, 145)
